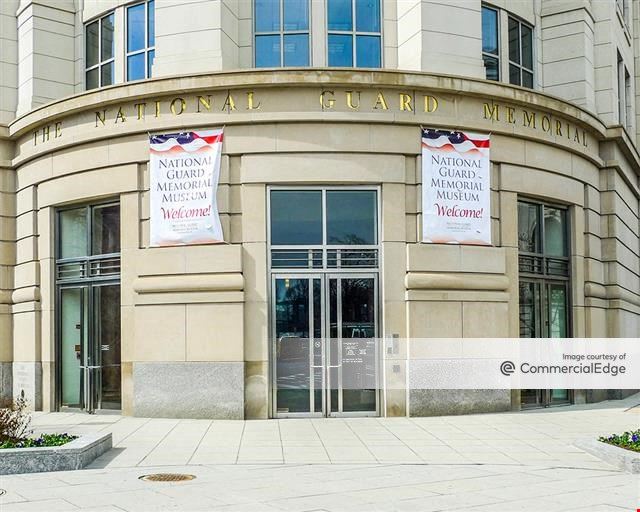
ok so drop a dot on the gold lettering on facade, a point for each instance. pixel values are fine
(100, 116)
(205, 102)
(140, 109)
(35, 137)
(529, 119)
(45, 133)
(250, 105)
(559, 128)
(350, 100)
(584, 138)
(405, 102)
(58, 129)
(546, 124)
(120, 115)
(229, 104)
(179, 101)
(327, 102)
(430, 104)
(511, 118)
(576, 137)
(492, 111)
(157, 108)
(382, 102)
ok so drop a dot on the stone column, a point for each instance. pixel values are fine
(441, 38)
(9, 60)
(196, 37)
(567, 33)
(46, 52)
(7, 260)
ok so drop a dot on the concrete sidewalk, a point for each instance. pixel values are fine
(501, 462)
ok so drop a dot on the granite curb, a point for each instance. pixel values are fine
(74, 455)
(621, 458)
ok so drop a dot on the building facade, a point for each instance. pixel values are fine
(319, 196)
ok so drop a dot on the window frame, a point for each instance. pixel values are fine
(521, 67)
(100, 63)
(354, 33)
(497, 56)
(146, 48)
(281, 33)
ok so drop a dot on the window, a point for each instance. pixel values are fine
(544, 270)
(625, 101)
(281, 33)
(140, 40)
(99, 52)
(354, 33)
(520, 53)
(490, 43)
(623, 7)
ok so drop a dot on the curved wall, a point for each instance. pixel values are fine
(195, 338)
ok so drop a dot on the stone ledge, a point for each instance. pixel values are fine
(619, 457)
(74, 455)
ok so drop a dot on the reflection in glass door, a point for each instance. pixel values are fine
(325, 350)
(88, 307)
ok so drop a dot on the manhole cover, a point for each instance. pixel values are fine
(2, 491)
(167, 477)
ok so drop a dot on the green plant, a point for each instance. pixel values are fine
(43, 440)
(14, 420)
(629, 440)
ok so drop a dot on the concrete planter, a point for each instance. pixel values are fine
(619, 457)
(74, 455)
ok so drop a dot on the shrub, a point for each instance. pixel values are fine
(14, 420)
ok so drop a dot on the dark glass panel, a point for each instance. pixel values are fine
(106, 74)
(340, 15)
(527, 79)
(73, 233)
(135, 28)
(491, 67)
(106, 320)
(368, 51)
(296, 50)
(555, 232)
(92, 79)
(296, 15)
(267, 15)
(528, 229)
(514, 74)
(351, 217)
(529, 300)
(106, 230)
(92, 44)
(296, 217)
(340, 50)
(151, 24)
(267, 51)
(514, 40)
(293, 371)
(106, 48)
(150, 56)
(527, 46)
(489, 31)
(557, 304)
(135, 67)
(368, 15)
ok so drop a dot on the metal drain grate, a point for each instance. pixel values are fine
(167, 477)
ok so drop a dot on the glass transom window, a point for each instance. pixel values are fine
(281, 33)
(99, 52)
(490, 43)
(354, 33)
(141, 35)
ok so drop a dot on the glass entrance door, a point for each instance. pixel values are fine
(89, 334)
(324, 345)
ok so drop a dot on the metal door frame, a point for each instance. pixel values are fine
(273, 349)
(339, 276)
(324, 278)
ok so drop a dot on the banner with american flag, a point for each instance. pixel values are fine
(456, 193)
(184, 172)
